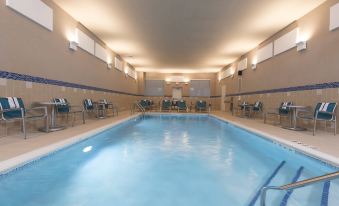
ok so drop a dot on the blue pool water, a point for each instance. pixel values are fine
(167, 160)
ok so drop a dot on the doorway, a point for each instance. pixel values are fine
(177, 93)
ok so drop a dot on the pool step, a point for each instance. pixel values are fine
(325, 194)
(289, 192)
(255, 198)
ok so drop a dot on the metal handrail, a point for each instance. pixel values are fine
(141, 108)
(298, 184)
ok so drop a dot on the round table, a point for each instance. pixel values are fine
(294, 125)
(52, 108)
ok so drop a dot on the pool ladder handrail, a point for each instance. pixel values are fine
(140, 107)
(296, 185)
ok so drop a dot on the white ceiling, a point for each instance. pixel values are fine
(184, 35)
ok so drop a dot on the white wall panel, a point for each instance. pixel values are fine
(285, 42)
(334, 17)
(242, 65)
(35, 10)
(265, 52)
(100, 52)
(85, 42)
(118, 64)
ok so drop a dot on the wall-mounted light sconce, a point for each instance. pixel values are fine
(73, 45)
(109, 65)
(254, 63)
(301, 45)
(73, 40)
(253, 66)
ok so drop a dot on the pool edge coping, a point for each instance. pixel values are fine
(319, 155)
(10, 164)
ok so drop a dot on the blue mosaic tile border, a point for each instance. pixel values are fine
(28, 78)
(290, 89)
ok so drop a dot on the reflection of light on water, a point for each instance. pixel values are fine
(230, 157)
(167, 139)
(125, 152)
(87, 149)
(185, 139)
(252, 176)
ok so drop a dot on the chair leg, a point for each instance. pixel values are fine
(314, 126)
(47, 124)
(24, 127)
(265, 118)
(335, 127)
(83, 117)
(73, 119)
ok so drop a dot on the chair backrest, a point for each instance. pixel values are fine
(242, 105)
(104, 101)
(200, 104)
(11, 103)
(284, 109)
(63, 106)
(325, 110)
(182, 104)
(257, 106)
(145, 103)
(166, 103)
(88, 104)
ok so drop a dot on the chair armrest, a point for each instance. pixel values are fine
(11, 110)
(331, 113)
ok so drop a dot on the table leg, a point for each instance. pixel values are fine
(53, 127)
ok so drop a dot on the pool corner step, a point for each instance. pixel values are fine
(255, 198)
(289, 192)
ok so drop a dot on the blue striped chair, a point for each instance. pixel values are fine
(201, 106)
(166, 105)
(145, 103)
(13, 109)
(64, 108)
(257, 108)
(88, 105)
(324, 111)
(283, 110)
(182, 105)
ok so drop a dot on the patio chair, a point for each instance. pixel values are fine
(146, 104)
(166, 105)
(201, 106)
(325, 111)
(13, 109)
(181, 104)
(88, 105)
(65, 108)
(282, 111)
(257, 108)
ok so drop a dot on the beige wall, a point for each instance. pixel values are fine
(28, 48)
(317, 64)
(214, 83)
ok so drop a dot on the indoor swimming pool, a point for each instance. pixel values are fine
(168, 160)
